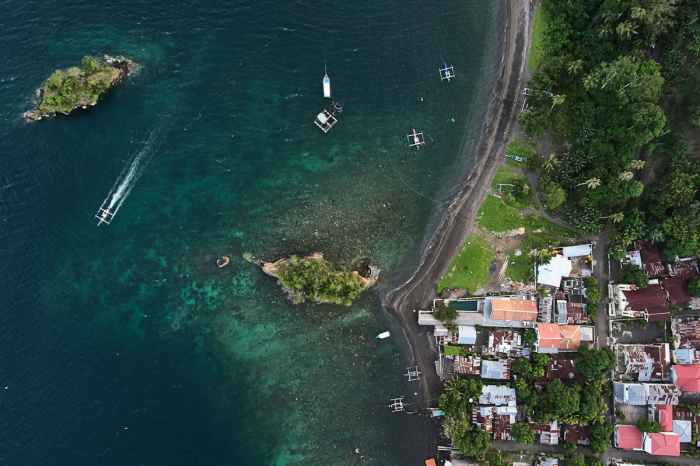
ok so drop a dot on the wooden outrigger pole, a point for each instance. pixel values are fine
(418, 139)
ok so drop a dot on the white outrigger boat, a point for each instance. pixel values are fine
(104, 215)
(418, 139)
(447, 72)
(384, 335)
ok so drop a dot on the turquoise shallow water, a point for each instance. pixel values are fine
(126, 344)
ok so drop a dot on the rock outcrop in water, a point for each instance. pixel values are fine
(314, 278)
(66, 90)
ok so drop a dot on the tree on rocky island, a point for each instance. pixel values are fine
(445, 312)
(632, 274)
(523, 434)
(316, 279)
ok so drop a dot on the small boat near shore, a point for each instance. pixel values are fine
(384, 335)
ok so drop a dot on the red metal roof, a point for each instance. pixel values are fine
(629, 437)
(658, 314)
(651, 258)
(651, 296)
(665, 417)
(665, 444)
(677, 288)
(687, 377)
(549, 336)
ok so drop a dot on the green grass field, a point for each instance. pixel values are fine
(536, 45)
(470, 269)
(496, 216)
(521, 148)
(535, 222)
(505, 175)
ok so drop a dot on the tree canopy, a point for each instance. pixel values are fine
(445, 313)
(632, 274)
(600, 436)
(523, 434)
(595, 363)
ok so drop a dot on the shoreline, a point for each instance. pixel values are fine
(420, 435)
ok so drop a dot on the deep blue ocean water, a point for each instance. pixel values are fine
(126, 344)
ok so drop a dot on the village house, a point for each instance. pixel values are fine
(570, 261)
(638, 394)
(686, 377)
(496, 420)
(497, 370)
(631, 438)
(577, 434)
(558, 369)
(553, 338)
(676, 420)
(497, 395)
(503, 311)
(505, 344)
(547, 434)
(648, 303)
(686, 340)
(643, 363)
(469, 365)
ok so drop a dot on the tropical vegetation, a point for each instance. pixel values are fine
(66, 89)
(316, 279)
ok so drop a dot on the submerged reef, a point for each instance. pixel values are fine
(314, 278)
(66, 90)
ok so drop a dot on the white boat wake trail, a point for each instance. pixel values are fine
(131, 173)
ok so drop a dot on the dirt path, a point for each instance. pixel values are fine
(400, 300)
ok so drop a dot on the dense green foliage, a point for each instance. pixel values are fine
(634, 275)
(652, 427)
(497, 459)
(455, 403)
(694, 287)
(66, 89)
(564, 400)
(523, 434)
(530, 336)
(595, 363)
(470, 269)
(531, 370)
(317, 280)
(600, 436)
(445, 313)
(554, 195)
(594, 294)
(577, 459)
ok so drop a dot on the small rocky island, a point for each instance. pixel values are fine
(66, 90)
(314, 278)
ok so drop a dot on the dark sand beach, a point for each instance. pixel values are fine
(411, 291)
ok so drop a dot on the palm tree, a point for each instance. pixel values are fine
(617, 218)
(605, 31)
(557, 100)
(575, 66)
(637, 12)
(609, 17)
(552, 163)
(626, 176)
(637, 164)
(655, 235)
(591, 184)
(590, 80)
(626, 29)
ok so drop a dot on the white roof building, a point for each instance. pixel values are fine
(467, 335)
(684, 429)
(497, 395)
(552, 273)
(576, 251)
